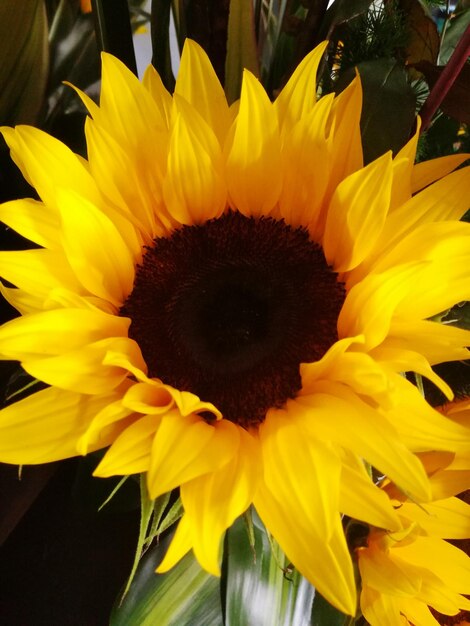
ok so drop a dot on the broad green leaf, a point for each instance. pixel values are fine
(241, 47)
(185, 596)
(261, 587)
(452, 35)
(323, 614)
(24, 60)
(456, 103)
(388, 111)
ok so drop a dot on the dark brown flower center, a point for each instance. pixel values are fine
(228, 310)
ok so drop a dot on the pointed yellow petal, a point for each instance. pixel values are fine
(134, 194)
(38, 271)
(301, 470)
(83, 370)
(254, 175)
(53, 332)
(418, 613)
(380, 609)
(357, 214)
(403, 169)
(179, 546)
(46, 426)
(447, 519)
(371, 304)
(427, 172)
(298, 97)
(420, 426)
(105, 270)
(361, 499)
(447, 199)
(194, 189)
(436, 342)
(197, 82)
(336, 414)
(130, 452)
(213, 501)
(187, 447)
(347, 144)
(113, 418)
(47, 164)
(162, 98)
(388, 575)
(33, 220)
(304, 188)
(439, 557)
(326, 564)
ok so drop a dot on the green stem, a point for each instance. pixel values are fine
(446, 79)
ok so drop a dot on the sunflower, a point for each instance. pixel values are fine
(226, 298)
(406, 572)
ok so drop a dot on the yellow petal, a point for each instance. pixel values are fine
(105, 270)
(114, 417)
(130, 452)
(436, 342)
(440, 558)
(380, 609)
(38, 271)
(347, 145)
(301, 470)
(357, 214)
(403, 169)
(197, 82)
(418, 613)
(162, 98)
(46, 426)
(33, 220)
(213, 501)
(371, 304)
(48, 164)
(298, 97)
(194, 189)
(254, 175)
(136, 195)
(187, 447)
(420, 426)
(150, 398)
(427, 172)
(83, 370)
(179, 546)
(304, 188)
(447, 519)
(55, 332)
(447, 199)
(388, 575)
(326, 564)
(361, 499)
(335, 414)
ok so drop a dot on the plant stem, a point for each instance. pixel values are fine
(447, 78)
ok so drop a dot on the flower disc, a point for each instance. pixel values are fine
(228, 310)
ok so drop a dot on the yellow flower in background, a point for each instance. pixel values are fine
(405, 573)
(226, 298)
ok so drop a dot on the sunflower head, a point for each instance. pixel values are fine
(226, 298)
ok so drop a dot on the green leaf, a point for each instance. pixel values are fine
(423, 39)
(261, 587)
(241, 47)
(323, 614)
(24, 61)
(453, 33)
(184, 596)
(388, 111)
